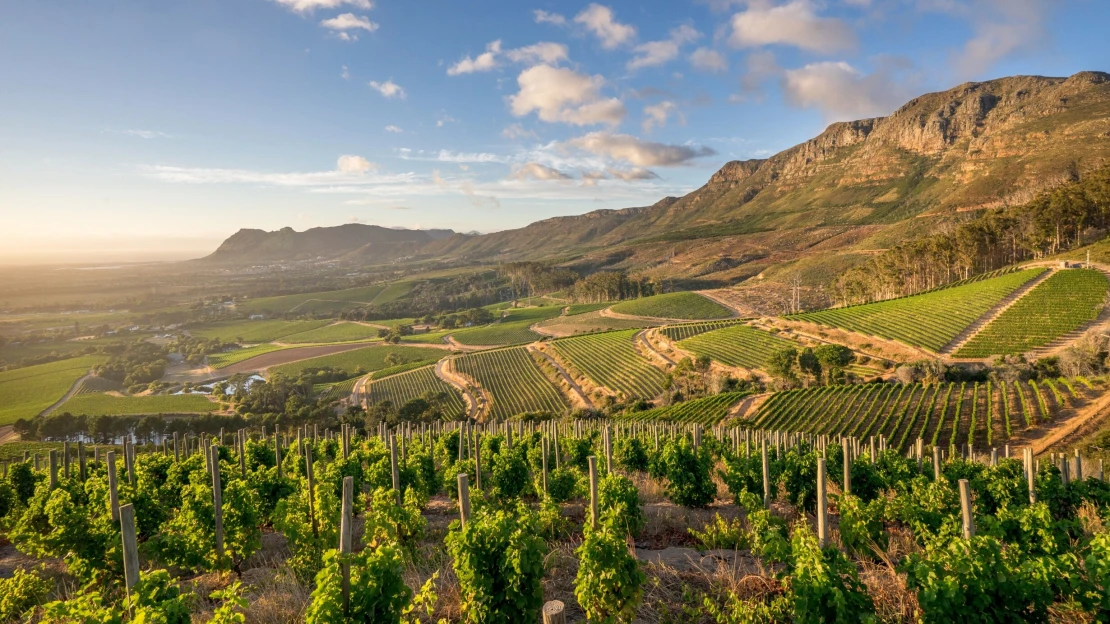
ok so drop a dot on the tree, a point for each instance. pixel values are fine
(782, 363)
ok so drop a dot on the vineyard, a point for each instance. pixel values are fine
(1062, 303)
(943, 414)
(736, 345)
(610, 359)
(227, 358)
(336, 332)
(365, 360)
(514, 382)
(97, 404)
(928, 320)
(251, 332)
(591, 322)
(531, 522)
(404, 387)
(708, 411)
(349, 298)
(689, 330)
(25, 392)
(679, 305)
(513, 328)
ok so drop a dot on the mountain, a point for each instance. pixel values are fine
(353, 241)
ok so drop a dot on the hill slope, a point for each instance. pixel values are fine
(353, 240)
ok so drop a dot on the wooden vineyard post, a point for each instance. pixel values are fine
(936, 463)
(217, 500)
(847, 470)
(608, 451)
(461, 442)
(311, 489)
(113, 491)
(965, 509)
(822, 504)
(53, 468)
(345, 544)
(176, 452)
(82, 466)
(464, 498)
(554, 613)
(393, 465)
(555, 443)
(277, 453)
(478, 460)
(242, 452)
(129, 460)
(65, 459)
(1078, 466)
(130, 548)
(1030, 474)
(766, 478)
(543, 443)
(592, 461)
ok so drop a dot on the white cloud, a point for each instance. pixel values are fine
(633, 174)
(543, 17)
(308, 6)
(543, 52)
(598, 19)
(388, 89)
(761, 66)
(842, 92)
(345, 74)
(147, 134)
(517, 131)
(634, 151)
(485, 61)
(536, 171)
(354, 164)
(558, 94)
(1001, 28)
(656, 115)
(346, 22)
(655, 53)
(794, 23)
(394, 129)
(707, 60)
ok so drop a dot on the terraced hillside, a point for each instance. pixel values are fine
(947, 413)
(610, 359)
(513, 381)
(680, 305)
(929, 320)
(1060, 304)
(736, 345)
(402, 388)
(706, 411)
(513, 328)
(683, 331)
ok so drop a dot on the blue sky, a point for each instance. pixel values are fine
(131, 128)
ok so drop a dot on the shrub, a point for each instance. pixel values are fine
(609, 580)
(630, 454)
(20, 593)
(720, 533)
(510, 473)
(687, 474)
(618, 495)
(378, 593)
(561, 484)
(825, 584)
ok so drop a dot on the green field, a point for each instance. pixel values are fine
(336, 391)
(929, 320)
(706, 411)
(513, 380)
(347, 298)
(336, 332)
(223, 360)
(582, 308)
(402, 388)
(512, 329)
(591, 322)
(254, 331)
(393, 292)
(680, 305)
(364, 360)
(25, 392)
(1062, 303)
(611, 360)
(689, 330)
(736, 345)
(96, 404)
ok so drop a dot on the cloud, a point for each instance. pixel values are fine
(655, 53)
(704, 59)
(354, 164)
(517, 131)
(485, 61)
(345, 74)
(536, 171)
(558, 94)
(1001, 28)
(794, 23)
(598, 19)
(543, 17)
(388, 89)
(543, 52)
(629, 149)
(147, 134)
(393, 129)
(308, 6)
(348, 22)
(761, 66)
(656, 115)
(842, 92)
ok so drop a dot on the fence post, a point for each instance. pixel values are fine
(393, 466)
(464, 498)
(592, 461)
(553, 613)
(936, 463)
(277, 453)
(822, 505)
(53, 468)
(130, 548)
(129, 460)
(113, 491)
(847, 469)
(608, 451)
(766, 478)
(65, 459)
(345, 535)
(242, 452)
(217, 500)
(176, 452)
(1030, 474)
(311, 489)
(1078, 466)
(543, 443)
(965, 508)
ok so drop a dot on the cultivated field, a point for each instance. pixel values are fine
(707, 411)
(513, 380)
(97, 404)
(254, 331)
(610, 359)
(25, 392)
(336, 332)
(404, 387)
(512, 329)
(736, 345)
(347, 298)
(680, 305)
(366, 360)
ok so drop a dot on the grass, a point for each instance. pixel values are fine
(513, 380)
(360, 361)
(96, 404)
(1061, 304)
(929, 320)
(336, 332)
(611, 360)
(25, 392)
(402, 388)
(350, 297)
(223, 360)
(681, 305)
(582, 308)
(393, 292)
(255, 331)
(736, 345)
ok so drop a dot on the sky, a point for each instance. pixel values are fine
(132, 129)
